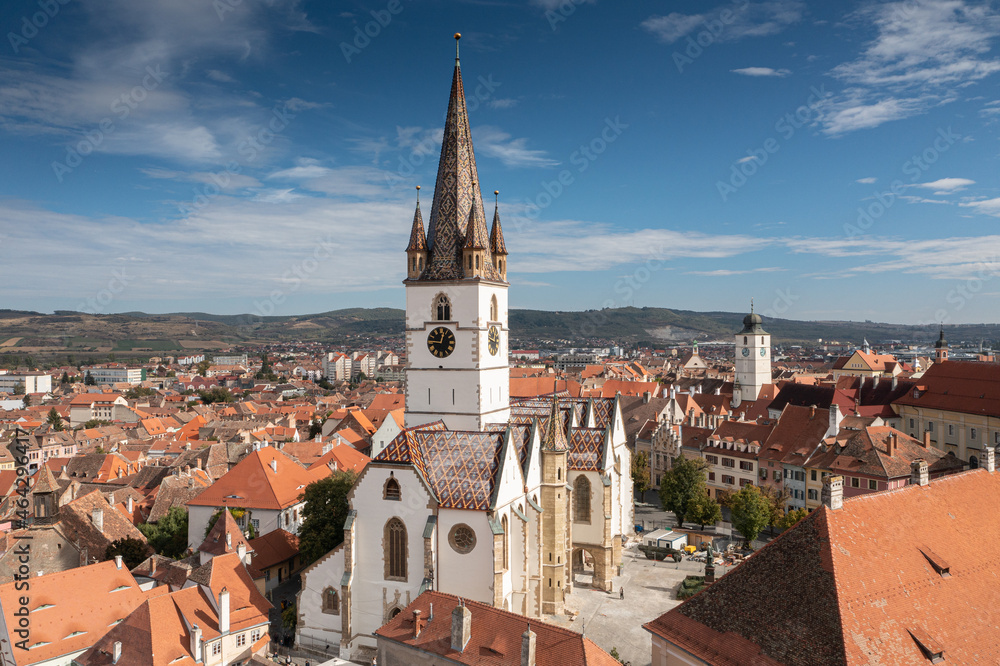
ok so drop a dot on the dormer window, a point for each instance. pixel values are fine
(392, 491)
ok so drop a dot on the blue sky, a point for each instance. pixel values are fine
(830, 160)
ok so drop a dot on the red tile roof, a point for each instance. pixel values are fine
(273, 548)
(496, 636)
(956, 386)
(856, 585)
(254, 484)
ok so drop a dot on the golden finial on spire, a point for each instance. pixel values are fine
(418, 195)
(458, 36)
(496, 193)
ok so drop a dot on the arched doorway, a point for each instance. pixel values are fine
(583, 568)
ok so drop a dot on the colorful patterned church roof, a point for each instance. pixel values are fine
(497, 246)
(458, 205)
(418, 241)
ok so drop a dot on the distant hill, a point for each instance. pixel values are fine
(25, 331)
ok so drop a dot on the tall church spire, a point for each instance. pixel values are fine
(457, 197)
(497, 247)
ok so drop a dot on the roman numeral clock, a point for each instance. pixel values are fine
(441, 342)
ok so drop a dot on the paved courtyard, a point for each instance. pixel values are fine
(649, 592)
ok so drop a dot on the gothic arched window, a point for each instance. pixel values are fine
(442, 308)
(581, 500)
(331, 602)
(395, 549)
(506, 543)
(391, 490)
(494, 309)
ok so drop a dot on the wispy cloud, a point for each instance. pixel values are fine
(757, 19)
(502, 103)
(947, 185)
(985, 206)
(762, 71)
(726, 272)
(494, 142)
(924, 51)
(867, 180)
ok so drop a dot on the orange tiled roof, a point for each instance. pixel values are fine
(254, 484)
(858, 584)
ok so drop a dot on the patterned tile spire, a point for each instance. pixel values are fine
(497, 246)
(456, 192)
(476, 237)
(418, 241)
(555, 435)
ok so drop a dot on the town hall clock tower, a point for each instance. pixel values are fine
(753, 358)
(456, 294)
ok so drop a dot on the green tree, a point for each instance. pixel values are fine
(65, 378)
(26, 400)
(776, 500)
(640, 473)
(96, 423)
(19, 388)
(203, 367)
(89, 380)
(137, 392)
(168, 536)
(704, 510)
(315, 427)
(54, 420)
(133, 551)
(751, 512)
(685, 479)
(324, 514)
(791, 518)
(217, 394)
(289, 618)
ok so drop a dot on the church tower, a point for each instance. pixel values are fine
(753, 357)
(941, 348)
(554, 460)
(456, 293)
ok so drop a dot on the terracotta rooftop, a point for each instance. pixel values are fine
(496, 636)
(883, 580)
(957, 386)
(273, 548)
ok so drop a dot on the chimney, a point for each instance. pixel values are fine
(834, 419)
(198, 463)
(224, 611)
(97, 517)
(691, 416)
(196, 643)
(129, 506)
(229, 540)
(116, 653)
(418, 623)
(646, 397)
(152, 566)
(989, 458)
(717, 391)
(461, 627)
(673, 392)
(118, 561)
(528, 647)
(241, 550)
(833, 492)
(274, 465)
(927, 439)
(891, 445)
(919, 473)
(812, 412)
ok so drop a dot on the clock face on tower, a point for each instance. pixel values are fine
(746, 352)
(441, 342)
(763, 351)
(493, 341)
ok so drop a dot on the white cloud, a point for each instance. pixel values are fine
(502, 103)
(866, 181)
(494, 142)
(726, 272)
(757, 19)
(232, 181)
(985, 206)
(923, 53)
(220, 76)
(947, 185)
(761, 71)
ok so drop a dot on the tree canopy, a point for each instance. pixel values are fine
(133, 551)
(54, 420)
(237, 514)
(324, 514)
(640, 473)
(169, 536)
(704, 510)
(751, 512)
(684, 481)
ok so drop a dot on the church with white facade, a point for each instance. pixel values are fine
(510, 503)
